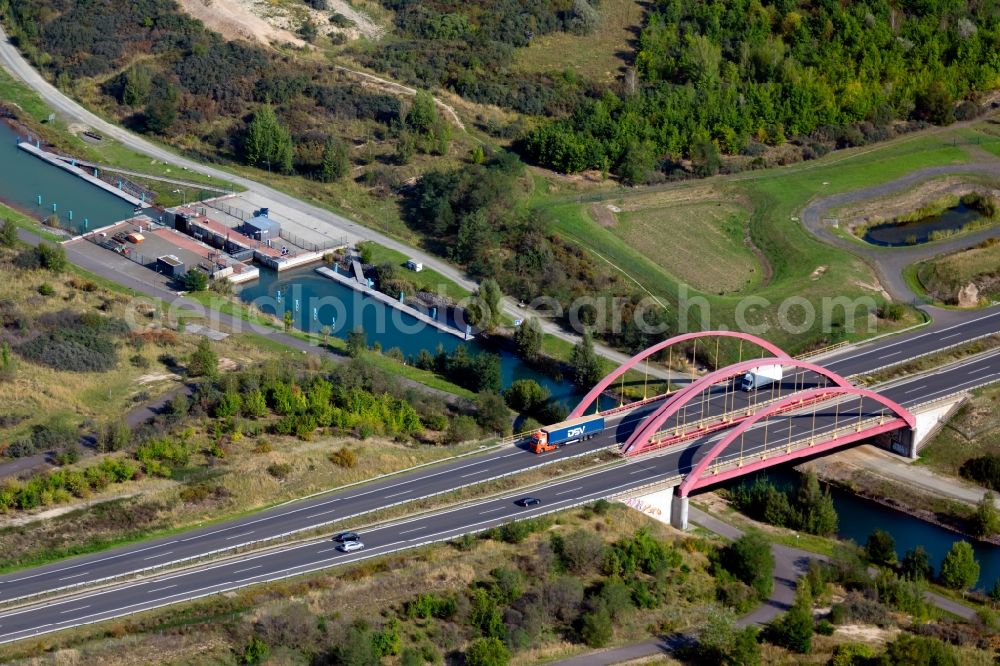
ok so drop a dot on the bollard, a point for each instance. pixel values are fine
(71, 216)
(39, 199)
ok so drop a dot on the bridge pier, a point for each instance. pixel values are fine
(679, 512)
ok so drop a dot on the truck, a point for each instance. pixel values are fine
(552, 437)
(760, 377)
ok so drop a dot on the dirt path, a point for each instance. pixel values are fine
(400, 89)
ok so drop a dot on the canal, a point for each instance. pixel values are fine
(859, 517)
(921, 231)
(316, 302)
(25, 177)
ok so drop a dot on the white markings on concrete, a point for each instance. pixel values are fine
(415, 529)
(499, 508)
(248, 569)
(571, 490)
(896, 353)
(74, 576)
(160, 589)
(914, 390)
(73, 610)
(978, 370)
(405, 492)
(237, 536)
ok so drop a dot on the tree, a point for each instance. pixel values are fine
(492, 414)
(423, 115)
(818, 515)
(528, 338)
(935, 104)
(916, 564)
(8, 234)
(203, 362)
(959, 570)
(268, 143)
(486, 310)
(161, 110)
(254, 404)
(357, 342)
(255, 652)
(750, 559)
(585, 363)
(986, 520)
(719, 642)
(583, 18)
(881, 548)
(488, 651)
(195, 280)
(794, 629)
(335, 162)
(137, 85)
(525, 395)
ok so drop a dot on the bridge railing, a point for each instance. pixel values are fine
(784, 448)
(716, 422)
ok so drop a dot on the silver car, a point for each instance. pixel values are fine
(350, 546)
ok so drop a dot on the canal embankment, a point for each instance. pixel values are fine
(70, 167)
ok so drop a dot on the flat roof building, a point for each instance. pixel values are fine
(262, 228)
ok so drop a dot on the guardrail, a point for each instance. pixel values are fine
(257, 544)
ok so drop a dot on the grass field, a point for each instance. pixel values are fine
(426, 280)
(803, 267)
(599, 56)
(973, 431)
(942, 277)
(700, 243)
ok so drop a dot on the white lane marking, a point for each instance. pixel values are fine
(248, 569)
(74, 576)
(914, 390)
(516, 453)
(405, 492)
(326, 550)
(892, 354)
(949, 337)
(499, 508)
(571, 490)
(978, 370)
(321, 513)
(471, 474)
(237, 536)
(49, 572)
(73, 610)
(160, 589)
(955, 389)
(415, 529)
(153, 557)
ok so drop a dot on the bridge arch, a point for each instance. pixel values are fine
(695, 478)
(651, 425)
(595, 392)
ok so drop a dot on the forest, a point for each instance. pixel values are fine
(728, 76)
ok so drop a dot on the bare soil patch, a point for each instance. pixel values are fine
(234, 19)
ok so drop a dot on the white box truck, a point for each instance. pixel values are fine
(760, 377)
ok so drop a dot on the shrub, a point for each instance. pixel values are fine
(114, 436)
(279, 470)
(596, 628)
(881, 548)
(959, 570)
(749, 558)
(984, 470)
(488, 651)
(580, 551)
(46, 289)
(344, 457)
(462, 429)
(255, 652)
(825, 628)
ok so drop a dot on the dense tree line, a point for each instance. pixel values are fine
(477, 217)
(728, 76)
(806, 508)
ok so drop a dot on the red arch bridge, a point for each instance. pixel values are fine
(758, 407)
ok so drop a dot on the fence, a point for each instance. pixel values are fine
(310, 246)
(232, 211)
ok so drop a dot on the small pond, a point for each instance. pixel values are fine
(921, 231)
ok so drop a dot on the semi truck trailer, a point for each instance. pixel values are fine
(760, 377)
(552, 437)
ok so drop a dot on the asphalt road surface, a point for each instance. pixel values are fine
(122, 599)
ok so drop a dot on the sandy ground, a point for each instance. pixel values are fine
(255, 21)
(233, 19)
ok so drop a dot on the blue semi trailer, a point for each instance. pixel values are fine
(552, 437)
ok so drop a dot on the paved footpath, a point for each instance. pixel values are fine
(789, 565)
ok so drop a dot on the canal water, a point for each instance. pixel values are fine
(919, 231)
(316, 301)
(24, 177)
(860, 517)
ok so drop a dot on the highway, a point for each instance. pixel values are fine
(357, 501)
(93, 606)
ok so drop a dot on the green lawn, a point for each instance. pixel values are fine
(426, 280)
(803, 266)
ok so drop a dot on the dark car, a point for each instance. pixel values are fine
(344, 537)
(528, 501)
